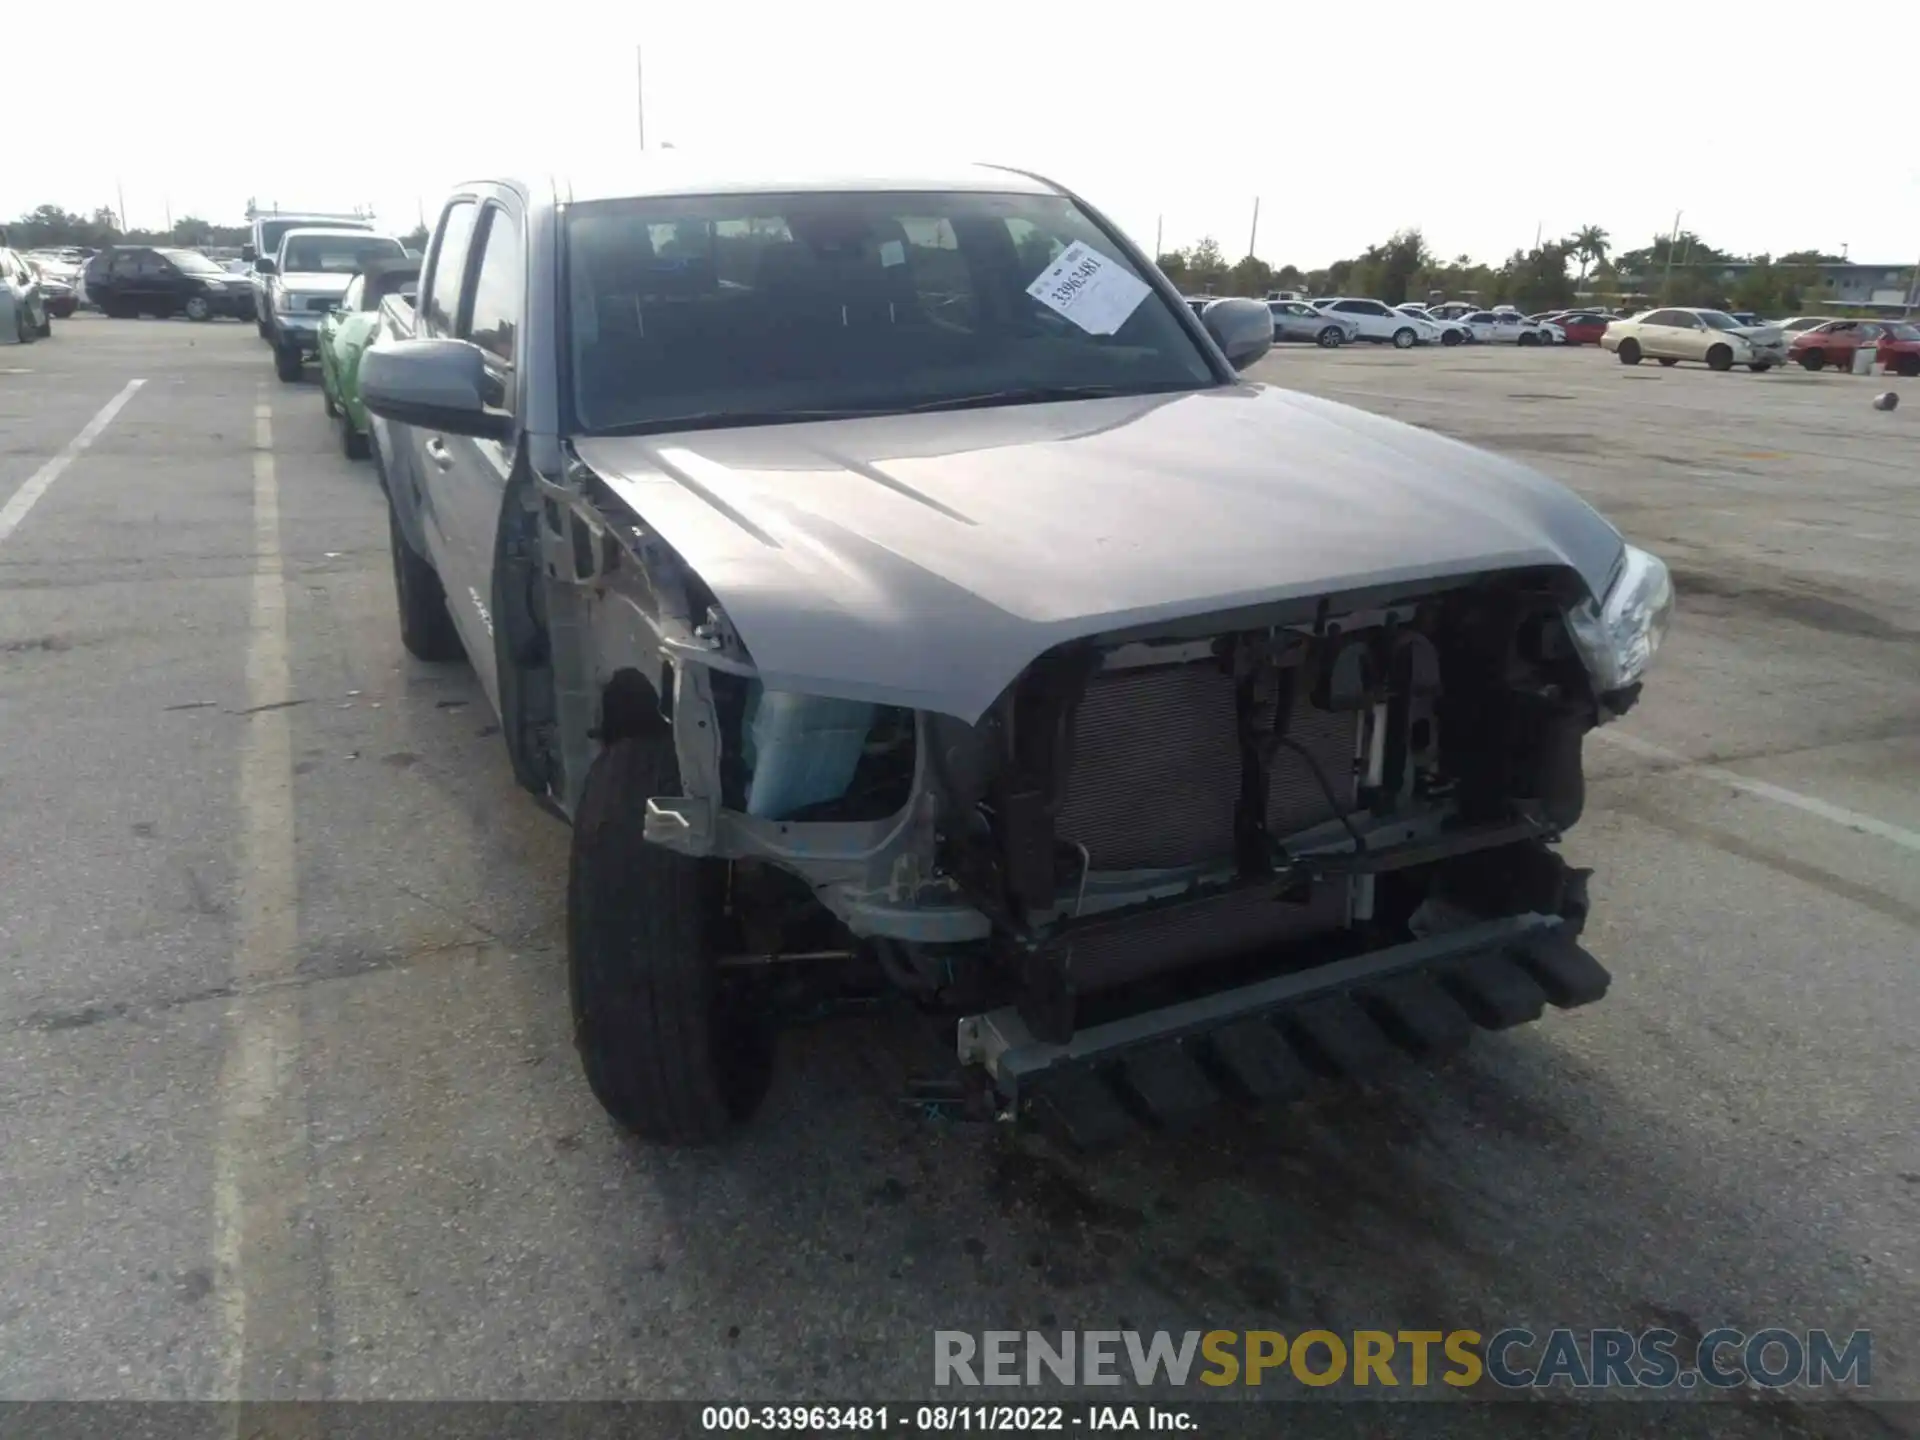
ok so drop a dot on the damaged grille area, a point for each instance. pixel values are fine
(1154, 782)
(1156, 768)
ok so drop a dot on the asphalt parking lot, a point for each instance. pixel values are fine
(399, 1186)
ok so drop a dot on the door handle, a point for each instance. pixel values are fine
(438, 453)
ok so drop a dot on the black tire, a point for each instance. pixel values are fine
(668, 1053)
(1629, 352)
(261, 324)
(1907, 365)
(1813, 359)
(286, 362)
(1668, 360)
(1720, 357)
(1449, 337)
(45, 332)
(1404, 338)
(197, 309)
(426, 625)
(352, 443)
(1760, 367)
(1331, 337)
(326, 394)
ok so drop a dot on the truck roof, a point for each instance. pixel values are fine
(680, 173)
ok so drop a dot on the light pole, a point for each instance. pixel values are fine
(640, 94)
(1672, 241)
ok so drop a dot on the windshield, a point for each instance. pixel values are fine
(705, 309)
(1718, 319)
(338, 254)
(193, 262)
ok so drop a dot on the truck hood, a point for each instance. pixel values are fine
(925, 560)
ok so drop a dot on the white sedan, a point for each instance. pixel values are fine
(1452, 332)
(1505, 327)
(1381, 323)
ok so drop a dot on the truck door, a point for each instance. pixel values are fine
(430, 453)
(473, 485)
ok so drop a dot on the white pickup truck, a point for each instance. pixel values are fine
(306, 279)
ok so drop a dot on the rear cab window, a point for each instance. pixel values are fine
(748, 308)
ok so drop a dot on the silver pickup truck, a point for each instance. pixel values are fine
(894, 583)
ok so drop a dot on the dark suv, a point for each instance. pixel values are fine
(127, 281)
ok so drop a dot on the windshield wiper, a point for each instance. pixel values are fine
(724, 419)
(1028, 395)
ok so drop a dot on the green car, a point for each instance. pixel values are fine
(347, 330)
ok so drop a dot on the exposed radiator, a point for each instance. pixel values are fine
(1156, 768)
(1155, 778)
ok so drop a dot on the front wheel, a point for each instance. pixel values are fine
(426, 625)
(265, 329)
(198, 309)
(353, 444)
(1629, 352)
(1331, 338)
(1720, 357)
(1527, 338)
(1450, 337)
(1907, 365)
(45, 330)
(670, 1051)
(1403, 339)
(286, 362)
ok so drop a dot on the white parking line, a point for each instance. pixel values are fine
(1807, 804)
(269, 1318)
(15, 510)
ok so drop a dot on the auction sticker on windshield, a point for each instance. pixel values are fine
(1089, 289)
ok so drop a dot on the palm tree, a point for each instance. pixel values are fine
(1589, 244)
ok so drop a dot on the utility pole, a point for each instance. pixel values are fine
(1538, 227)
(640, 94)
(1158, 221)
(1672, 241)
(120, 193)
(1255, 236)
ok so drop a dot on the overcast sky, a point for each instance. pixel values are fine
(1482, 122)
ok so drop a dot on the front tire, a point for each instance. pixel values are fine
(352, 443)
(669, 1053)
(45, 331)
(1526, 337)
(426, 625)
(286, 363)
(198, 310)
(1720, 357)
(1629, 352)
(1907, 365)
(1330, 338)
(1449, 337)
(265, 329)
(1404, 338)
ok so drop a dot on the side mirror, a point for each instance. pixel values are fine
(265, 266)
(433, 384)
(1243, 329)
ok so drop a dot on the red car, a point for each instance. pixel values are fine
(1896, 345)
(1583, 327)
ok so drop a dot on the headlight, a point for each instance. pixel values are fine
(1619, 637)
(286, 302)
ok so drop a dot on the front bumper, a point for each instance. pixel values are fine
(1267, 1041)
(294, 328)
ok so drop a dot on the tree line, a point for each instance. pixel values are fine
(48, 227)
(1680, 269)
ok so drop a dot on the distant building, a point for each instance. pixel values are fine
(1843, 282)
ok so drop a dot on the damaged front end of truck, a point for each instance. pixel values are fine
(1214, 856)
